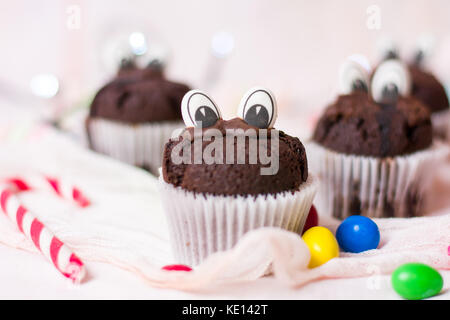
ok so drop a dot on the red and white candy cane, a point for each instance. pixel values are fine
(51, 247)
(60, 187)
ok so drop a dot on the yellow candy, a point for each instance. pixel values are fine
(322, 244)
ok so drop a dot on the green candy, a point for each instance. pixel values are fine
(415, 281)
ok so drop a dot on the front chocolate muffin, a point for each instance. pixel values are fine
(133, 116)
(369, 148)
(221, 179)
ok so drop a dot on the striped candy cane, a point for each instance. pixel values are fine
(51, 247)
(60, 187)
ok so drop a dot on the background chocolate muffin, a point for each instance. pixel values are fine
(139, 96)
(133, 116)
(428, 89)
(370, 146)
(356, 124)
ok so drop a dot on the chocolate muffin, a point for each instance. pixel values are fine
(139, 96)
(223, 178)
(369, 148)
(132, 116)
(428, 89)
(237, 179)
(356, 124)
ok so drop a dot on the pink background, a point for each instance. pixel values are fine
(292, 47)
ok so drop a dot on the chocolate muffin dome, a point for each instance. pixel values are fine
(139, 96)
(427, 88)
(237, 179)
(132, 72)
(356, 124)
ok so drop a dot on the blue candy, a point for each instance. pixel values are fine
(357, 234)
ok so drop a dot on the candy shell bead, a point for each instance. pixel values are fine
(322, 244)
(415, 281)
(357, 234)
(312, 220)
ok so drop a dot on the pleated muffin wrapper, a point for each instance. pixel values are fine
(441, 124)
(374, 187)
(201, 224)
(141, 145)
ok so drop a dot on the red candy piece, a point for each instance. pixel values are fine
(177, 267)
(312, 220)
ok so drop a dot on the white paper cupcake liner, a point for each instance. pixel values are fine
(140, 145)
(374, 187)
(201, 224)
(441, 124)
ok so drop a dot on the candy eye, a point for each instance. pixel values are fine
(390, 80)
(198, 110)
(258, 108)
(353, 77)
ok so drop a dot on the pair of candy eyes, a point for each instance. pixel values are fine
(257, 108)
(390, 80)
